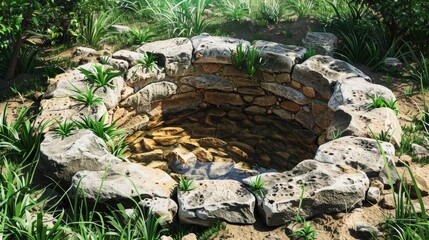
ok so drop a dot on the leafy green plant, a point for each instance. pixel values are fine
(64, 129)
(235, 10)
(87, 97)
(270, 11)
(94, 29)
(238, 57)
(380, 102)
(306, 231)
(337, 134)
(100, 127)
(384, 136)
(118, 148)
(186, 185)
(302, 8)
(254, 61)
(105, 60)
(139, 225)
(257, 185)
(148, 61)
(409, 91)
(407, 223)
(141, 35)
(309, 53)
(101, 76)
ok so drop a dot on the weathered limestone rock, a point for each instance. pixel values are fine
(288, 116)
(322, 72)
(62, 158)
(123, 181)
(279, 58)
(83, 51)
(118, 63)
(175, 53)
(323, 43)
(65, 87)
(164, 208)
(208, 81)
(360, 153)
(66, 108)
(329, 188)
(213, 201)
(373, 195)
(208, 49)
(130, 56)
(286, 92)
(155, 91)
(419, 151)
(139, 76)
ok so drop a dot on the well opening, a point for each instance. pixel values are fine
(223, 136)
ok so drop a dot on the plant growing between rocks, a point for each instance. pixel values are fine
(257, 185)
(101, 76)
(140, 35)
(306, 231)
(148, 61)
(254, 61)
(100, 127)
(65, 129)
(186, 185)
(380, 102)
(87, 97)
(238, 57)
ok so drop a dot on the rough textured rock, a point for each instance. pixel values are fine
(123, 181)
(118, 63)
(279, 57)
(207, 81)
(419, 151)
(322, 72)
(220, 98)
(142, 99)
(161, 207)
(286, 92)
(139, 76)
(373, 195)
(62, 158)
(213, 201)
(65, 87)
(62, 109)
(329, 188)
(323, 43)
(208, 49)
(175, 54)
(360, 153)
(83, 51)
(130, 56)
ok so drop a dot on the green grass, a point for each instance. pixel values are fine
(100, 127)
(65, 129)
(101, 76)
(380, 102)
(186, 185)
(87, 97)
(257, 185)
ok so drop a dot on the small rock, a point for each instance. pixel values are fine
(373, 194)
(366, 229)
(190, 236)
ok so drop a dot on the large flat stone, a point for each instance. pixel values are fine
(279, 58)
(220, 98)
(213, 201)
(328, 188)
(208, 81)
(61, 158)
(208, 49)
(286, 92)
(175, 54)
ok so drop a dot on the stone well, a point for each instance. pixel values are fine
(197, 115)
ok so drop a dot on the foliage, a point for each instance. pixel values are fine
(101, 76)
(141, 35)
(19, 140)
(137, 225)
(384, 136)
(184, 18)
(64, 129)
(148, 61)
(257, 185)
(254, 61)
(87, 97)
(302, 8)
(186, 185)
(238, 57)
(100, 127)
(94, 29)
(306, 231)
(337, 134)
(118, 148)
(407, 223)
(235, 10)
(270, 11)
(380, 102)
(309, 53)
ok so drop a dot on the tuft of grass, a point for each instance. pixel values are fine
(257, 185)
(238, 57)
(118, 148)
(306, 231)
(100, 127)
(186, 185)
(337, 134)
(254, 61)
(380, 102)
(87, 97)
(302, 8)
(65, 129)
(384, 136)
(309, 53)
(101, 76)
(94, 29)
(148, 61)
(270, 11)
(141, 35)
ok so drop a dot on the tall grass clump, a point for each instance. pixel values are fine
(94, 29)
(407, 222)
(180, 18)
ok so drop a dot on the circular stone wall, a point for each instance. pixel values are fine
(198, 115)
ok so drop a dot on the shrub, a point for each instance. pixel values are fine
(270, 11)
(94, 29)
(148, 61)
(64, 129)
